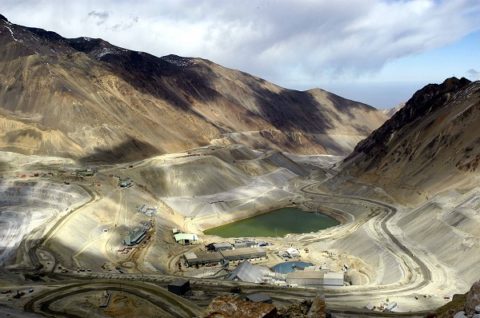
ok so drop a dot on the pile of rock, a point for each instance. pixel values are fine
(235, 307)
(472, 303)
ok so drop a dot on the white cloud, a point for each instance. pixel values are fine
(281, 40)
(101, 17)
(473, 74)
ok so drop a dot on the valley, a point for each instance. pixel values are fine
(85, 240)
(135, 185)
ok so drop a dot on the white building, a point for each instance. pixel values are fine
(185, 238)
(293, 252)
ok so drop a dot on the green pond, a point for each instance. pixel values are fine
(275, 223)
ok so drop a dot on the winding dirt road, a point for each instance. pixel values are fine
(339, 300)
(402, 252)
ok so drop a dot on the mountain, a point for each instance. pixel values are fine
(391, 111)
(430, 145)
(86, 99)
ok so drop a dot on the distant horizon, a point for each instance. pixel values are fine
(378, 95)
(377, 52)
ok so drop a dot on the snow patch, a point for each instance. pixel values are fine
(177, 60)
(11, 32)
(105, 51)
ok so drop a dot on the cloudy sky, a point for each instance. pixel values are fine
(375, 51)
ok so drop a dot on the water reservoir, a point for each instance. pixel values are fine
(288, 267)
(276, 223)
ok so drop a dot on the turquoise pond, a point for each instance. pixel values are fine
(289, 267)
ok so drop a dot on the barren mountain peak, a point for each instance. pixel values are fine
(437, 126)
(130, 101)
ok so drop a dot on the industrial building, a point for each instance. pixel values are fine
(315, 278)
(135, 236)
(185, 238)
(305, 278)
(203, 258)
(217, 247)
(244, 243)
(333, 279)
(241, 254)
(293, 252)
(246, 272)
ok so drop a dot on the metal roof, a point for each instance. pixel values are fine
(305, 275)
(185, 236)
(242, 253)
(190, 255)
(222, 245)
(334, 275)
(246, 272)
(135, 236)
(203, 257)
(333, 278)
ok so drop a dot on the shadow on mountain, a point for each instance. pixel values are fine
(178, 85)
(129, 150)
(346, 106)
(290, 109)
(175, 79)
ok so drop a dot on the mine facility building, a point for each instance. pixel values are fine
(185, 238)
(135, 237)
(305, 278)
(315, 278)
(203, 258)
(179, 286)
(333, 279)
(293, 252)
(244, 243)
(246, 272)
(217, 247)
(242, 254)
(214, 258)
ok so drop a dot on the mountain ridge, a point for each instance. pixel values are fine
(83, 86)
(428, 146)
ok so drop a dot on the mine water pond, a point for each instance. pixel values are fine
(288, 267)
(276, 223)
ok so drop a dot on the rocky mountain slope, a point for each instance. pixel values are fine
(430, 145)
(87, 99)
(427, 157)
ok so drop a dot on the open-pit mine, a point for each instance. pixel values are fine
(137, 186)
